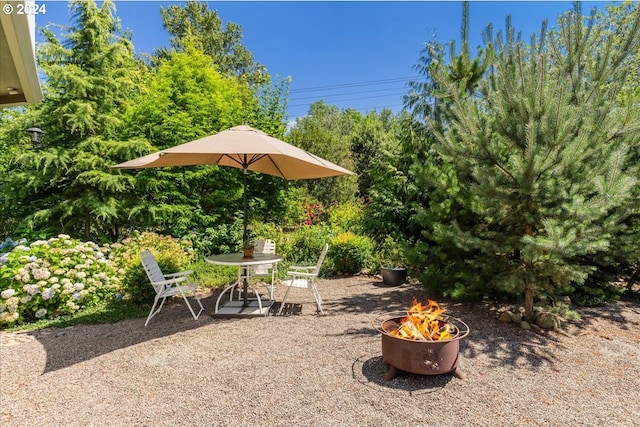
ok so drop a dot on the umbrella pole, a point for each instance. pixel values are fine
(245, 237)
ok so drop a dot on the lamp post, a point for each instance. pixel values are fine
(36, 137)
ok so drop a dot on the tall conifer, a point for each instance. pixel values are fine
(67, 185)
(546, 151)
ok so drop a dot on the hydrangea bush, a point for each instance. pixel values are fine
(53, 277)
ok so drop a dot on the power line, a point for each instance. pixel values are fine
(353, 93)
(344, 91)
(355, 84)
(362, 109)
(354, 99)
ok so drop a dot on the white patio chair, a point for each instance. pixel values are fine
(304, 277)
(266, 270)
(168, 285)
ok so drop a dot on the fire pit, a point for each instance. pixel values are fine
(422, 341)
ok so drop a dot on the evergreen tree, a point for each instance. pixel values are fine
(428, 194)
(546, 152)
(68, 185)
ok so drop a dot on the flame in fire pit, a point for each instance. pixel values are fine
(424, 323)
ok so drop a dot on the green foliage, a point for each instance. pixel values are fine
(68, 185)
(350, 253)
(194, 25)
(270, 116)
(183, 99)
(390, 253)
(326, 132)
(596, 291)
(346, 216)
(54, 277)
(103, 107)
(208, 275)
(368, 138)
(221, 239)
(171, 254)
(393, 194)
(186, 98)
(564, 311)
(303, 246)
(549, 184)
(427, 202)
(293, 213)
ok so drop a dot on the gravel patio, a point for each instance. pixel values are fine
(308, 370)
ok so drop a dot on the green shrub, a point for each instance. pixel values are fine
(171, 254)
(349, 253)
(54, 277)
(303, 246)
(212, 276)
(595, 293)
(267, 231)
(346, 216)
(222, 239)
(299, 208)
(390, 253)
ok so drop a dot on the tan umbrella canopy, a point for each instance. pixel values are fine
(245, 148)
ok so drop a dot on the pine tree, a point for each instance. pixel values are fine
(546, 147)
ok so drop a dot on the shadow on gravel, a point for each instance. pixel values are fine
(382, 298)
(372, 371)
(613, 313)
(76, 344)
(490, 341)
(504, 344)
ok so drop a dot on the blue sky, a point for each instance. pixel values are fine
(351, 54)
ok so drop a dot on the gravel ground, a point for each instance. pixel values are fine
(310, 370)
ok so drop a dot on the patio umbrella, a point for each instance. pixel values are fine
(245, 148)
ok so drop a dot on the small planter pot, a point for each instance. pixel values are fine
(393, 276)
(247, 252)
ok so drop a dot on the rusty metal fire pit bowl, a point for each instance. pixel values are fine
(417, 356)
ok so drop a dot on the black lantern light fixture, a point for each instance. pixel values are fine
(36, 136)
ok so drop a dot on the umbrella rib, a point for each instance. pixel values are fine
(277, 167)
(255, 158)
(233, 159)
(243, 162)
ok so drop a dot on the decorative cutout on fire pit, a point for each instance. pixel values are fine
(429, 358)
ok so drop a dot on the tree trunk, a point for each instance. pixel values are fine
(87, 229)
(633, 278)
(528, 304)
(528, 289)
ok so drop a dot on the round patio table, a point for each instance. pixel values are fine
(248, 306)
